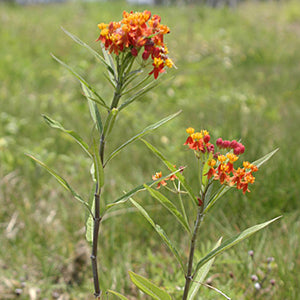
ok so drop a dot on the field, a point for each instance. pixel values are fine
(238, 75)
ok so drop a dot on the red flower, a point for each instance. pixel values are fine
(135, 31)
(158, 67)
(134, 52)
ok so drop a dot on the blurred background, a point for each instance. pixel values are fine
(238, 76)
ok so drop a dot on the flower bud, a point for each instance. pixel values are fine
(145, 55)
(134, 52)
(254, 278)
(156, 52)
(257, 285)
(226, 144)
(233, 144)
(206, 139)
(18, 292)
(219, 142)
(211, 148)
(240, 149)
(200, 202)
(272, 282)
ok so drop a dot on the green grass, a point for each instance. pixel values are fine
(238, 76)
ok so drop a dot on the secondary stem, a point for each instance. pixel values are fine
(188, 277)
(97, 220)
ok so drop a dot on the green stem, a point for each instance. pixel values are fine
(181, 203)
(97, 220)
(97, 215)
(188, 277)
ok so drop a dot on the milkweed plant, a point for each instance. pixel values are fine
(135, 56)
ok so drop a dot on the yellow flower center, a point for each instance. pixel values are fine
(197, 136)
(157, 61)
(232, 157)
(221, 158)
(104, 32)
(190, 130)
(211, 163)
(102, 26)
(169, 63)
(247, 165)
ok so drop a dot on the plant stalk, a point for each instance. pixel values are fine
(97, 217)
(97, 221)
(188, 277)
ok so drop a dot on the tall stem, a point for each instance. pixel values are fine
(188, 277)
(97, 220)
(97, 216)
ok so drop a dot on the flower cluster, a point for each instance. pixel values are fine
(138, 31)
(223, 170)
(199, 141)
(237, 147)
(163, 182)
(221, 165)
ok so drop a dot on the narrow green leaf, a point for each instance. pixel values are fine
(221, 191)
(94, 111)
(54, 124)
(142, 133)
(110, 121)
(99, 100)
(78, 41)
(112, 72)
(161, 233)
(148, 287)
(140, 93)
(89, 225)
(131, 77)
(135, 190)
(133, 88)
(117, 294)
(125, 197)
(99, 172)
(201, 275)
(169, 206)
(61, 180)
(231, 242)
(171, 167)
(265, 158)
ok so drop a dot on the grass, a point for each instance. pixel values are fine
(238, 76)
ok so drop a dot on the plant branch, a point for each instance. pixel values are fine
(188, 277)
(97, 220)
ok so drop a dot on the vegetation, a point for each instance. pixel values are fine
(238, 76)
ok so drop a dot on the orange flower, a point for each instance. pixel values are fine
(189, 140)
(157, 176)
(134, 31)
(158, 64)
(221, 166)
